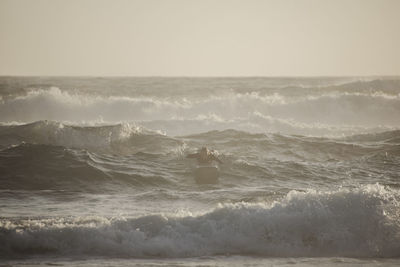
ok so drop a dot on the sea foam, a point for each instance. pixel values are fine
(314, 113)
(359, 222)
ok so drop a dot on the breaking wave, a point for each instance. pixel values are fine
(332, 112)
(360, 222)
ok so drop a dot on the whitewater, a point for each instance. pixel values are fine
(93, 171)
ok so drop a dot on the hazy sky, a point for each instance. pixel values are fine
(200, 38)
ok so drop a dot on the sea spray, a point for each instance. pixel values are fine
(316, 112)
(362, 222)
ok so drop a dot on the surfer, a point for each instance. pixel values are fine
(204, 156)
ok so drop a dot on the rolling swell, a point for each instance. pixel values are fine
(286, 160)
(363, 222)
(52, 155)
(47, 167)
(41, 167)
(125, 138)
(298, 147)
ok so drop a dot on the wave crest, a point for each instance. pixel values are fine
(313, 112)
(124, 138)
(362, 222)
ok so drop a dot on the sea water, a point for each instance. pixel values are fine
(93, 171)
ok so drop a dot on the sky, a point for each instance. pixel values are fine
(199, 37)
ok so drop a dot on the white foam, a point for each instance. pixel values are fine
(359, 222)
(331, 113)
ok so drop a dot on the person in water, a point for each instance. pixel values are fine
(204, 156)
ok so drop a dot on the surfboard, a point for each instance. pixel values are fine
(206, 175)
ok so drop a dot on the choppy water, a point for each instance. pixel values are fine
(95, 169)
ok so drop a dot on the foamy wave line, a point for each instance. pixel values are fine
(361, 222)
(324, 114)
(54, 97)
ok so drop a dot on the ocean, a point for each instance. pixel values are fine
(93, 171)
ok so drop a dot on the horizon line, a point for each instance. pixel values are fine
(201, 76)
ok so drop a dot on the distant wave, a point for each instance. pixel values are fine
(362, 222)
(390, 86)
(315, 112)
